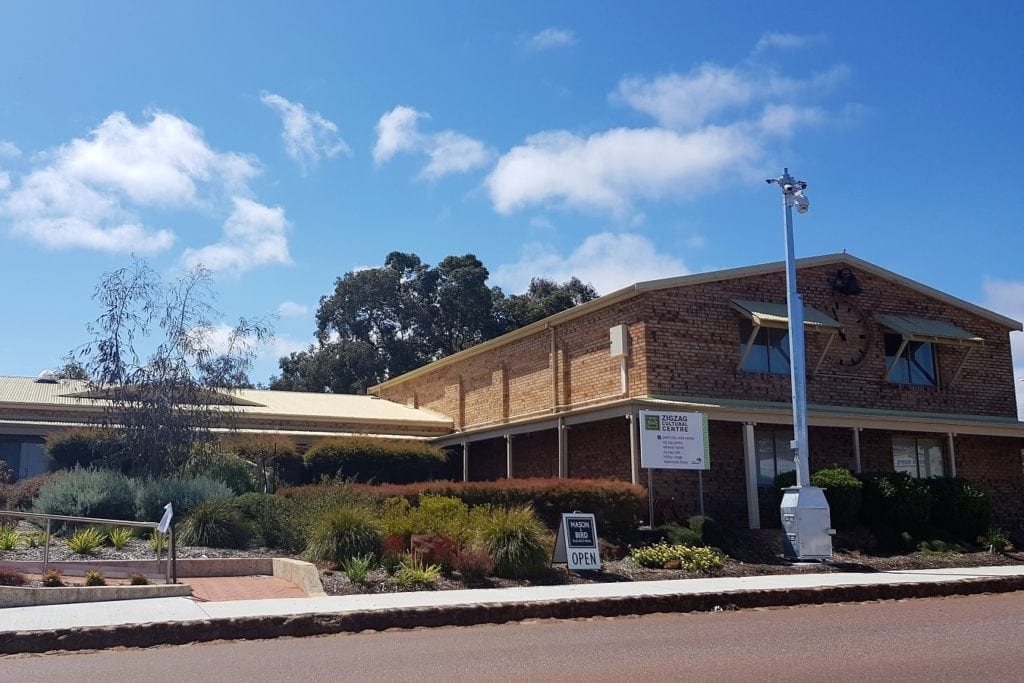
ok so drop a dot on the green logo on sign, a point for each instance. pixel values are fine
(652, 422)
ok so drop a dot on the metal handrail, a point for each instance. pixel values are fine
(94, 520)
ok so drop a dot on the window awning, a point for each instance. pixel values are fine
(925, 330)
(767, 314)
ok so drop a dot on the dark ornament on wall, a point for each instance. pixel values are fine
(845, 282)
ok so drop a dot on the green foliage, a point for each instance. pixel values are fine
(357, 569)
(959, 507)
(85, 541)
(363, 459)
(215, 524)
(395, 519)
(896, 499)
(441, 516)
(95, 578)
(88, 493)
(84, 448)
(673, 534)
(121, 537)
(665, 556)
(995, 541)
(274, 520)
(138, 579)
(8, 537)
(12, 577)
(343, 533)
(157, 540)
(707, 529)
(515, 540)
(237, 473)
(616, 505)
(53, 579)
(35, 540)
(151, 495)
(940, 547)
(274, 458)
(413, 572)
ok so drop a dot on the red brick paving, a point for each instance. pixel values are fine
(221, 588)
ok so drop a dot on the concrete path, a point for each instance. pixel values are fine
(184, 609)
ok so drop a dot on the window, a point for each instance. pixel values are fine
(917, 456)
(916, 365)
(774, 456)
(768, 353)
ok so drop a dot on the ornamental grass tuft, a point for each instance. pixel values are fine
(343, 533)
(515, 540)
(216, 524)
(85, 541)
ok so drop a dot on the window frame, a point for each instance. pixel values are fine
(908, 368)
(767, 340)
(779, 437)
(923, 463)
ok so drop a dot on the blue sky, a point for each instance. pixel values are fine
(284, 145)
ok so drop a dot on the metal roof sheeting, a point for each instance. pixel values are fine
(768, 314)
(925, 330)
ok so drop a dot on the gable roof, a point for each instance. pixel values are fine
(697, 279)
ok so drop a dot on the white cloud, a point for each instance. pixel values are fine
(608, 170)
(449, 151)
(5, 180)
(693, 149)
(290, 309)
(254, 235)
(548, 39)
(88, 192)
(608, 261)
(786, 41)
(219, 338)
(9, 149)
(307, 135)
(1008, 298)
(683, 101)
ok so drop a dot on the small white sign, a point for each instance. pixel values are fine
(674, 441)
(576, 543)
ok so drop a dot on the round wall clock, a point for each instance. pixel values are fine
(854, 341)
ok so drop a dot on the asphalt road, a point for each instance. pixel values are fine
(959, 638)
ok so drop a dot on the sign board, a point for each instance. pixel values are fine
(674, 441)
(576, 543)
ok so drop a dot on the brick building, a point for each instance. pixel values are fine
(900, 376)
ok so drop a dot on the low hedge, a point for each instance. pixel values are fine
(364, 460)
(616, 505)
(896, 499)
(83, 448)
(959, 507)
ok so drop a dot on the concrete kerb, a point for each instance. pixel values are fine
(262, 627)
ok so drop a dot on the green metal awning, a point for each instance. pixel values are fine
(925, 330)
(767, 314)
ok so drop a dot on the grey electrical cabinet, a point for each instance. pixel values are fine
(806, 523)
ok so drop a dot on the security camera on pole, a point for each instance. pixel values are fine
(806, 523)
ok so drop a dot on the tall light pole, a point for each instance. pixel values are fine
(804, 510)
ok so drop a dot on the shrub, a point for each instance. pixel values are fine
(275, 455)
(215, 524)
(357, 569)
(895, 498)
(414, 573)
(35, 540)
(345, 532)
(273, 519)
(363, 459)
(395, 519)
(84, 448)
(8, 537)
(12, 577)
(88, 493)
(85, 541)
(473, 564)
(21, 494)
(843, 493)
(138, 579)
(53, 579)
(665, 556)
(184, 494)
(121, 537)
(673, 534)
(238, 474)
(707, 529)
(995, 541)
(616, 505)
(959, 507)
(439, 550)
(392, 550)
(515, 540)
(95, 578)
(441, 516)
